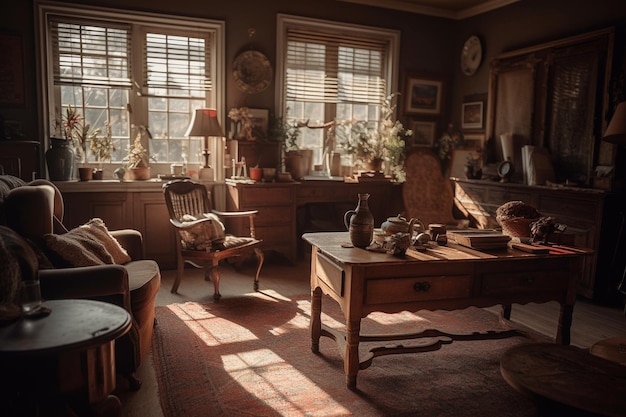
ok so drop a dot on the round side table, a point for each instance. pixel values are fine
(565, 380)
(62, 361)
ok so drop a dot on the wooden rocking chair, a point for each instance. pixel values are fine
(197, 231)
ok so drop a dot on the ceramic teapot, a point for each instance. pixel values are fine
(399, 224)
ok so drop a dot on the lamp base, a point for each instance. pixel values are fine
(205, 173)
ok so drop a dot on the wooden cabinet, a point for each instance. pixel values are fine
(20, 159)
(276, 222)
(582, 210)
(139, 206)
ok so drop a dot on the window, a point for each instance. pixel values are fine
(142, 74)
(333, 71)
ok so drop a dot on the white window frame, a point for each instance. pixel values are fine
(286, 22)
(139, 20)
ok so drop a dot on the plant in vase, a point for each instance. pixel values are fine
(68, 144)
(446, 144)
(376, 142)
(289, 134)
(101, 147)
(474, 165)
(138, 158)
(241, 127)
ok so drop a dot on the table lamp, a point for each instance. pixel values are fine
(204, 123)
(616, 133)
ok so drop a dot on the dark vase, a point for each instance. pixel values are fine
(360, 223)
(472, 173)
(60, 159)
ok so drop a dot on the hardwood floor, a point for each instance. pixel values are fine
(591, 322)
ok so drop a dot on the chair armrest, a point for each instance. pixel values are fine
(188, 224)
(234, 214)
(102, 282)
(132, 241)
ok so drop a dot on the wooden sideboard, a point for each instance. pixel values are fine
(138, 205)
(20, 158)
(286, 210)
(586, 212)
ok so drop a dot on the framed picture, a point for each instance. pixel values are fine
(12, 88)
(459, 160)
(423, 132)
(472, 115)
(474, 140)
(422, 95)
(260, 122)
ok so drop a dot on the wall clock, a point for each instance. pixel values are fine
(471, 55)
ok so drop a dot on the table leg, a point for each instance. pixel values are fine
(565, 324)
(316, 320)
(351, 357)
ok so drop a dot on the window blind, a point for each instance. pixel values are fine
(330, 68)
(177, 62)
(91, 53)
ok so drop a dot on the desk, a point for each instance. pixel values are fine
(363, 282)
(289, 209)
(64, 359)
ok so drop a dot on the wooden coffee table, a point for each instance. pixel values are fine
(450, 277)
(64, 360)
(565, 380)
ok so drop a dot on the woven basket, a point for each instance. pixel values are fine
(516, 226)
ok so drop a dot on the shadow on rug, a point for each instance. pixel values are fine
(251, 356)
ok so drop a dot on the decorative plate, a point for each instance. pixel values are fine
(252, 71)
(471, 55)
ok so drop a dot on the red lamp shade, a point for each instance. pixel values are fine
(205, 123)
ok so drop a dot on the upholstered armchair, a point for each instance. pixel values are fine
(35, 211)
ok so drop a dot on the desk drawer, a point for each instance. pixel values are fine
(523, 282)
(255, 197)
(426, 288)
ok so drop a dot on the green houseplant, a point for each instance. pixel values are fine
(375, 143)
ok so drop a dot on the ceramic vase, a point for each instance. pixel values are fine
(360, 223)
(60, 159)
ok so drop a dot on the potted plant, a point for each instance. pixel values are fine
(68, 144)
(288, 134)
(137, 160)
(101, 147)
(376, 143)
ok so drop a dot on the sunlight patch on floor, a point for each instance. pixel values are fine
(265, 375)
(212, 330)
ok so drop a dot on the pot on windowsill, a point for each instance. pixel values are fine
(137, 174)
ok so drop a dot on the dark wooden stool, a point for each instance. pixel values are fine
(565, 380)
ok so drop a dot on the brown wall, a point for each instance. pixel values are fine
(429, 45)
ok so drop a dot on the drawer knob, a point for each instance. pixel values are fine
(421, 286)
(528, 280)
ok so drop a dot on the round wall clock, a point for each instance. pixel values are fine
(471, 55)
(252, 72)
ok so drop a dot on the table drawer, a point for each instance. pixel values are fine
(274, 215)
(523, 282)
(425, 288)
(255, 197)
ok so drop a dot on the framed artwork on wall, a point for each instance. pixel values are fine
(472, 115)
(260, 122)
(423, 133)
(422, 95)
(474, 140)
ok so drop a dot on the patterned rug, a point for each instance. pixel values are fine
(251, 356)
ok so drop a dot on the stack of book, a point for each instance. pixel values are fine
(480, 239)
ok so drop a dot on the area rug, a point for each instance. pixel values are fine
(251, 356)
